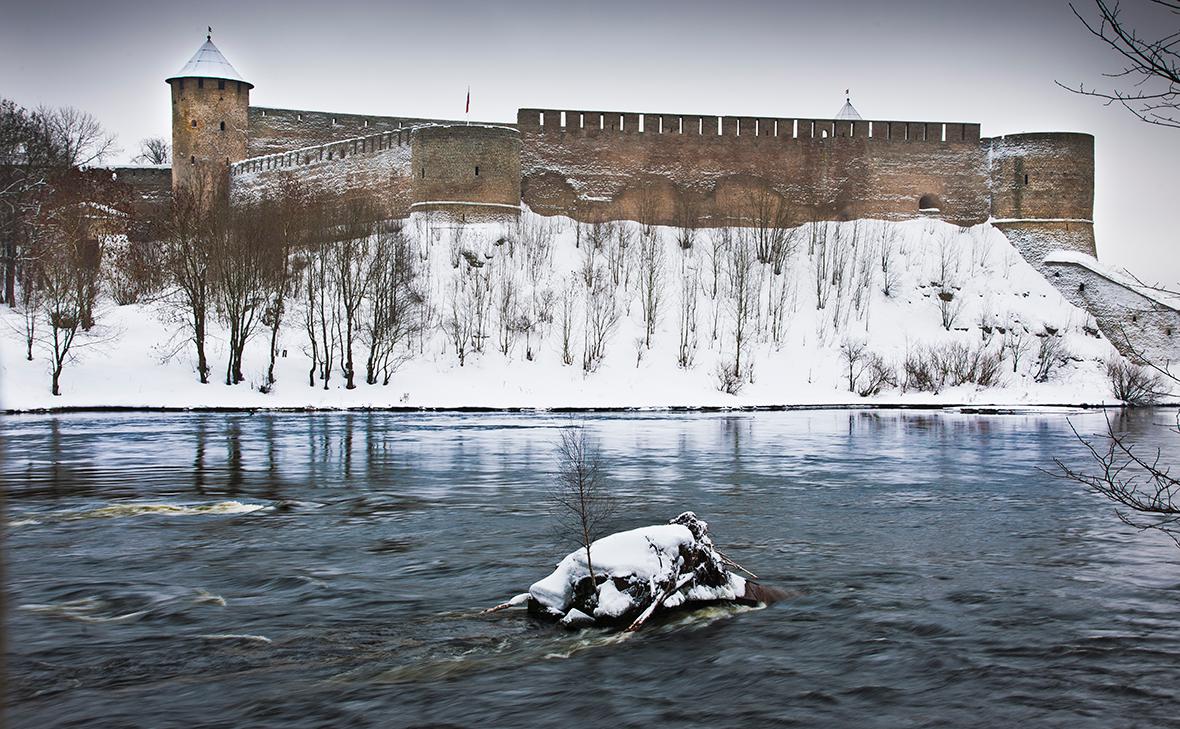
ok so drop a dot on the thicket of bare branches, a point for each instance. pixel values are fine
(1138, 480)
(1146, 49)
(154, 151)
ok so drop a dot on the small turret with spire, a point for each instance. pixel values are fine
(210, 115)
(848, 111)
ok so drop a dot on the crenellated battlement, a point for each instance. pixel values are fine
(323, 152)
(595, 123)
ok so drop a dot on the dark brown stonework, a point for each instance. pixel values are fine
(209, 130)
(469, 171)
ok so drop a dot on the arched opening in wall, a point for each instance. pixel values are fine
(192, 160)
(193, 123)
(477, 170)
(223, 126)
(929, 204)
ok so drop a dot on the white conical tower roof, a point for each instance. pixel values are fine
(848, 111)
(208, 62)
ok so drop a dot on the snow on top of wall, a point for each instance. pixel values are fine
(1063, 257)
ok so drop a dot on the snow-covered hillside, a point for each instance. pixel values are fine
(922, 291)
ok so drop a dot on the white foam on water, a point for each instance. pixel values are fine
(141, 509)
(242, 637)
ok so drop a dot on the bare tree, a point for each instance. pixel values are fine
(602, 316)
(888, 253)
(186, 241)
(582, 499)
(651, 281)
(768, 217)
(508, 309)
(320, 314)
(286, 218)
(853, 352)
(78, 138)
(239, 268)
(1147, 81)
(154, 151)
(395, 301)
(569, 302)
(1015, 342)
(742, 302)
(690, 284)
(351, 261)
(688, 219)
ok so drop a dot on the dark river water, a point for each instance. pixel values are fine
(296, 570)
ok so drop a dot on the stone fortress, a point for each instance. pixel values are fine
(670, 169)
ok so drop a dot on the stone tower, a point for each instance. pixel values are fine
(210, 105)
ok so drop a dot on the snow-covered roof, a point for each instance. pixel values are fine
(208, 62)
(848, 111)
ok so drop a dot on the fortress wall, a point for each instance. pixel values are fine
(1042, 176)
(280, 130)
(591, 164)
(201, 146)
(471, 171)
(1137, 322)
(1036, 239)
(379, 163)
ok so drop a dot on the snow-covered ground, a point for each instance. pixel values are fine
(137, 357)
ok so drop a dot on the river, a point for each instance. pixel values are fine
(316, 570)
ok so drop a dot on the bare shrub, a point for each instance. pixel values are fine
(730, 378)
(877, 374)
(1132, 383)
(1015, 343)
(853, 352)
(1051, 354)
(932, 368)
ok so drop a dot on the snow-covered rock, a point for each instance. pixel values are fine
(645, 569)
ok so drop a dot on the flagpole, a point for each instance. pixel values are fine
(467, 111)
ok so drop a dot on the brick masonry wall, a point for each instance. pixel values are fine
(468, 170)
(1044, 175)
(282, 130)
(1134, 322)
(377, 165)
(200, 146)
(617, 165)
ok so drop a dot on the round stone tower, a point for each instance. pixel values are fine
(469, 172)
(210, 105)
(1042, 192)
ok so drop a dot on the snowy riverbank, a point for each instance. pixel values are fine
(137, 356)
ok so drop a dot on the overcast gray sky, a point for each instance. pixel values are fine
(955, 60)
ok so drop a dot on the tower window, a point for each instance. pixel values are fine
(200, 83)
(192, 160)
(223, 126)
(423, 173)
(477, 170)
(221, 84)
(1026, 179)
(193, 123)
